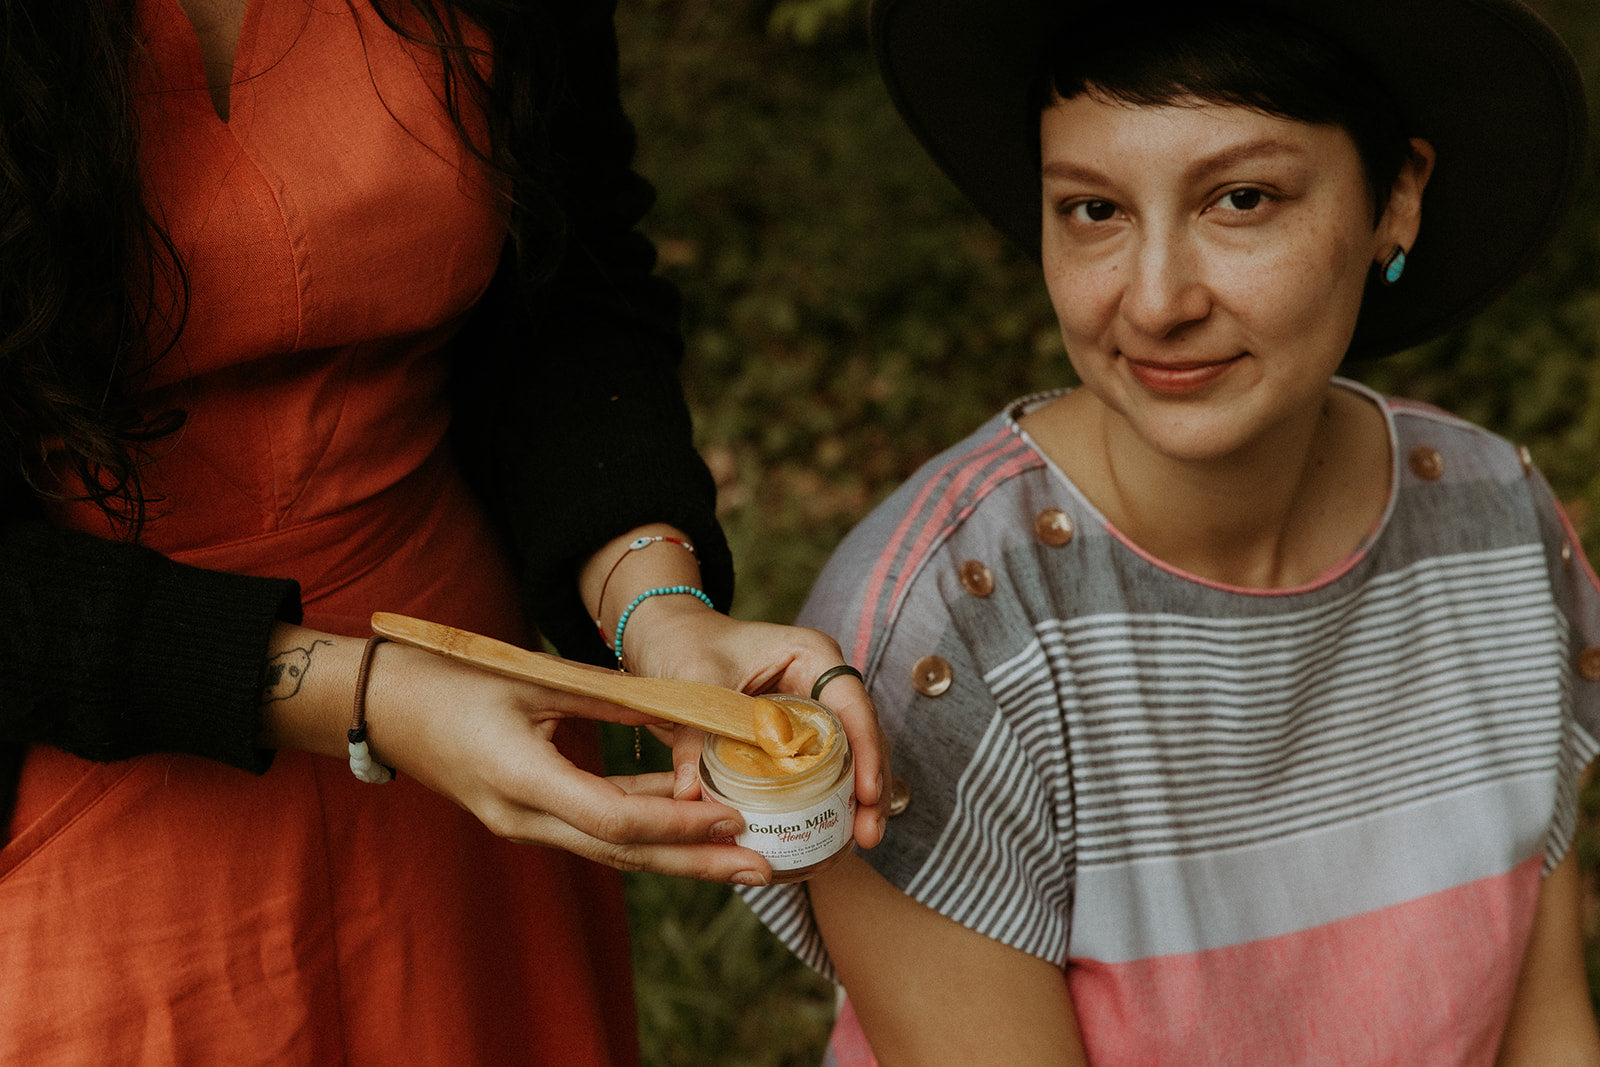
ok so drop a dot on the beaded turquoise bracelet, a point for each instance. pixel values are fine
(633, 546)
(665, 590)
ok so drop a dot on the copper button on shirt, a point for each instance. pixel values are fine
(1589, 663)
(1053, 527)
(1426, 463)
(930, 676)
(976, 578)
(899, 796)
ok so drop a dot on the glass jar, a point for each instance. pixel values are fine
(801, 822)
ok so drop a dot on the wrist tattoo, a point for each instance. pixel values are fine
(284, 672)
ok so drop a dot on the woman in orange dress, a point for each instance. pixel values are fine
(307, 315)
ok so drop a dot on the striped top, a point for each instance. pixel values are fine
(1301, 825)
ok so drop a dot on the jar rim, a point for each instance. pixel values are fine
(826, 768)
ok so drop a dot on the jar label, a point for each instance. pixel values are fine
(800, 838)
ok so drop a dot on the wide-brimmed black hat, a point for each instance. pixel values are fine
(1486, 81)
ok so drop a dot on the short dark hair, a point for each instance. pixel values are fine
(1161, 54)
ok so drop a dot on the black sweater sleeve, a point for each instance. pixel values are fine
(112, 650)
(571, 420)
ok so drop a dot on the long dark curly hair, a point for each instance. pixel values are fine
(88, 277)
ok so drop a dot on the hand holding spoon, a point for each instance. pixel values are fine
(753, 720)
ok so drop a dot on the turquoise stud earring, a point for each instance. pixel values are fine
(1393, 266)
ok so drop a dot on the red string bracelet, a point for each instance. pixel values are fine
(633, 546)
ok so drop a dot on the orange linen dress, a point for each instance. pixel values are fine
(172, 910)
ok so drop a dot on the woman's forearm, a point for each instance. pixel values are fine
(656, 556)
(308, 688)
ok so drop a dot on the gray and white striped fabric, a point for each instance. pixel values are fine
(1127, 764)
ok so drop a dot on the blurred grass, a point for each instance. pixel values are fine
(848, 316)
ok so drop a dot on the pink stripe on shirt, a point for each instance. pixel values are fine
(969, 464)
(1425, 982)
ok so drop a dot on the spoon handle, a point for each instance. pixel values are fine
(709, 707)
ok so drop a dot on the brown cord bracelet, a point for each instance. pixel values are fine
(362, 765)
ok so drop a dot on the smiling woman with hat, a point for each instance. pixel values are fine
(1241, 711)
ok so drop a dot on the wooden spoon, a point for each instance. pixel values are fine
(709, 707)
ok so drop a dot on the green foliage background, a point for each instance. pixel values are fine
(848, 317)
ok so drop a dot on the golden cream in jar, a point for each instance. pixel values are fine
(796, 792)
